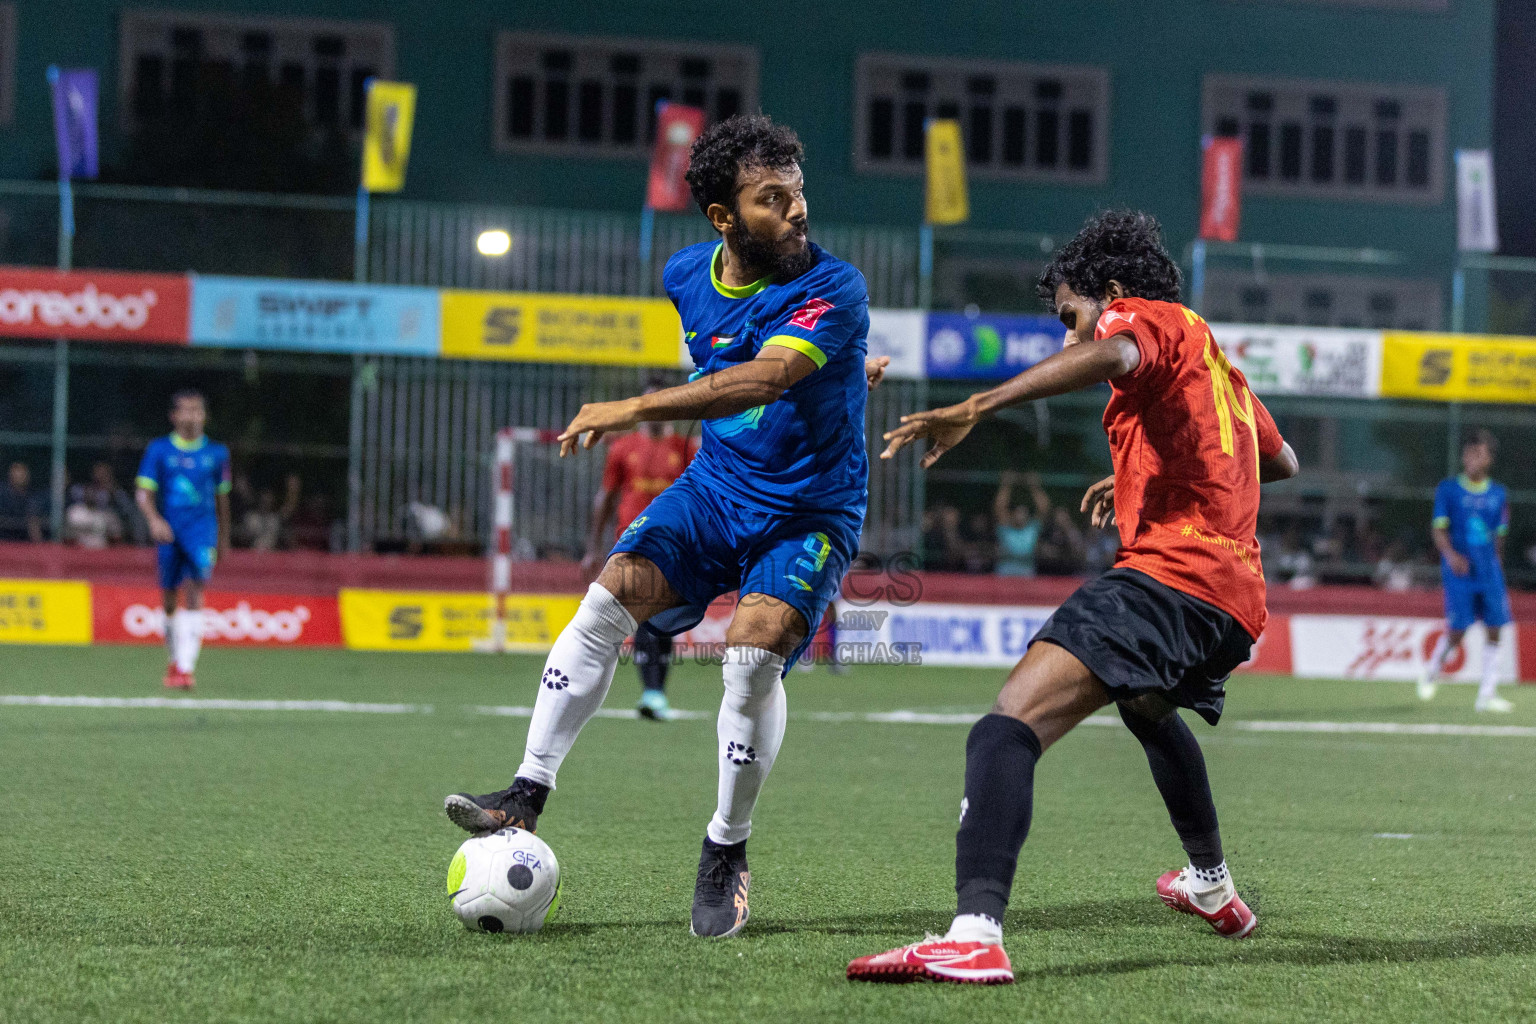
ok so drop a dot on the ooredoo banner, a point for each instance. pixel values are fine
(93, 305)
(134, 615)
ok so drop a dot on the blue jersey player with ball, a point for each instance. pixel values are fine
(1470, 523)
(771, 507)
(183, 490)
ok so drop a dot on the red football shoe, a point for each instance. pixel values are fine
(936, 959)
(1232, 919)
(176, 679)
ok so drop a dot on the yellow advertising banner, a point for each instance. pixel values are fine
(1458, 367)
(540, 328)
(45, 612)
(430, 620)
(946, 198)
(387, 143)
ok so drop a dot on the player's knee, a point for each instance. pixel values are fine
(637, 584)
(768, 623)
(1148, 709)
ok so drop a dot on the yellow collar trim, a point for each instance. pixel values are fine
(744, 291)
(185, 445)
(1478, 487)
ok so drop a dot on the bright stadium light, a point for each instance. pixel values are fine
(495, 242)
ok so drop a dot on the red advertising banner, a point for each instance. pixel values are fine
(1221, 189)
(677, 127)
(133, 615)
(93, 305)
(1272, 652)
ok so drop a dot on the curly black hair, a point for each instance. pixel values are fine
(1116, 245)
(745, 140)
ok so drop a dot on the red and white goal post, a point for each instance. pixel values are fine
(507, 440)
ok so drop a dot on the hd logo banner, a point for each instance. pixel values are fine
(981, 347)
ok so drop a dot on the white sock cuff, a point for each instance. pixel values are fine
(1207, 877)
(608, 610)
(975, 928)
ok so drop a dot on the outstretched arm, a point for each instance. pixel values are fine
(1074, 367)
(759, 381)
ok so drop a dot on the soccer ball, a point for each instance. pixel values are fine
(507, 881)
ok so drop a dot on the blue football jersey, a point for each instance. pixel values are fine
(1475, 515)
(187, 476)
(804, 452)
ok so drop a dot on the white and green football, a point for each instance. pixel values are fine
(505, 881)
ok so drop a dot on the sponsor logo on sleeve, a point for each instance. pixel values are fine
(807, 315)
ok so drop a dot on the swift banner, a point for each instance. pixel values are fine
(541, 328)
(971, 348)
(386, 620)
(45, 612)
(1304, 360)
(91, 305)
(256, 312)
(1458, 368)
(135, 615)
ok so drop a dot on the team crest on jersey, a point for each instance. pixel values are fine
(806, 316)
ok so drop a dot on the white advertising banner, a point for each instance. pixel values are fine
(979, 636)
(1325, 361)
(900, 334)
(1372, 647)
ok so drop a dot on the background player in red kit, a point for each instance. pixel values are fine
(640, 466)
(1163, 629)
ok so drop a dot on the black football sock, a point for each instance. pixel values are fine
(653, 655)
(1000, 756)
(531, 793)
(1178, 768)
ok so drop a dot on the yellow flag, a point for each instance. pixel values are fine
(946, 174)
(387, 146)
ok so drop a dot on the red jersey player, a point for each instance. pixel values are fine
(640, 466)
(1161, 630)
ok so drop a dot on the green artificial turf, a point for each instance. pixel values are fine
(178, 865)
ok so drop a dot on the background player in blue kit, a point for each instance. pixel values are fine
(1471, 521)
(183, 490)
(772, 505)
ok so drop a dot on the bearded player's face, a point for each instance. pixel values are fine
(769, 222)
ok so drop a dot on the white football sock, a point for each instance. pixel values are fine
(187, 625)
(750, 729)
(576, 678)
(1210, 888)
(170, 636)
(975, 928)
(1489, 687)
(1435, 665)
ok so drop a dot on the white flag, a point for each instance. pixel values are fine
(1477, 228)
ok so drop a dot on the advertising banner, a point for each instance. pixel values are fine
(1323, 361)
(1477, 225)
(45, 612)
(74, 120)
(134, 615)
(983, 347)
(977, 635)
(92, 305)
(388, 620)
(944, 198)
(311, 316)
(1221, 188)
(900, 334)
(387, 142)
(540, 328)
(677, 126)
(1382, 647)
(1458, 367)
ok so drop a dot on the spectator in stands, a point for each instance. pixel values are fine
(1017, 530)
(261, 527)
(21, 508)
(1394, 570)
(941, 539)
(1063, 549)
(1103, 546)
(113, 496)
(1294, 563)
(90, 521)
(310, 527)
(978, 544)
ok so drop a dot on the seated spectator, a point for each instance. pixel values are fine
(310, 527)
(1103, 547)
(1394, 570)
(116, 498)
(21, 508)
(1294, 563)
(262, 526)
(89, 519)
(1018, 532)
(941, 539)
(1062, 549)
(978, 546)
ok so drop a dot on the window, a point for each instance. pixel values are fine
(7, 62)
(1341, 140)
(578, 94)
(1323, 300)
(1028, 122)
(174, 61)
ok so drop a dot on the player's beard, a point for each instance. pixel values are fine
(764, 257)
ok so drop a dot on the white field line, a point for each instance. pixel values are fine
(861, 717)
(214, 704)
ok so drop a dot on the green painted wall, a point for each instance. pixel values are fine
(1156, 50)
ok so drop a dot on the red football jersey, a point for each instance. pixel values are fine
(1186, 435)
(640, 467)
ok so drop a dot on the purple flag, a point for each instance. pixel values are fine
(74, 120)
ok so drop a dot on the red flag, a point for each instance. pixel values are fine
(1221, 189)
(676, 128)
